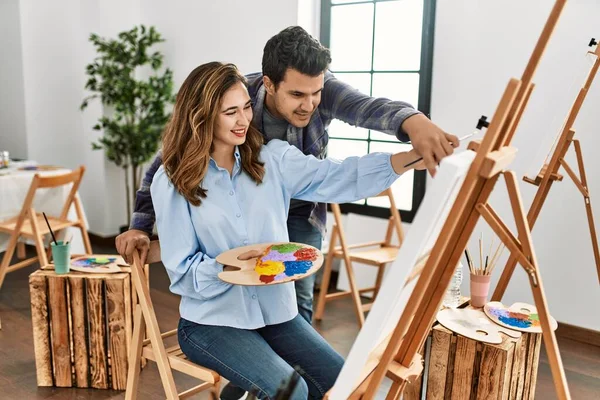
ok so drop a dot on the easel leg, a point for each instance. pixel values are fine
(535, 281)
(396, 390)
(550, 343)
(532, 215)
(588, 206)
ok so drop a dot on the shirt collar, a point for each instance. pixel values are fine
(236, 154)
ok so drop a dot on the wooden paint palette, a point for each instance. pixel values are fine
(474, 324)
(520, 316)
(98, 264)
(269, 263)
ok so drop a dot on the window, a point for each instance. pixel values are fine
(383, 48)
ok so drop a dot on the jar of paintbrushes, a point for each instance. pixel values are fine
(481, 274)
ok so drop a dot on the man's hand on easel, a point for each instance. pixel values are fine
(429, 141)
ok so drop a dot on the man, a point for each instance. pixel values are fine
(295, 99)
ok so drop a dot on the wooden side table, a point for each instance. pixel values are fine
(82, 328)
(457, 367)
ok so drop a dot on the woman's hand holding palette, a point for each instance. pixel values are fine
(269, 263)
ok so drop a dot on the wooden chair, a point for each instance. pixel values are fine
(377, 254)
(30, 224)
(153, 348)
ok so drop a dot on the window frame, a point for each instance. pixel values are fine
(424, 104)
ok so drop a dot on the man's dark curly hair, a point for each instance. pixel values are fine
(294, 48)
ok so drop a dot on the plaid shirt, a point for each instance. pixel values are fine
(338, 101)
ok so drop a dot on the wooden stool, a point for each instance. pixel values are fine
(461, 368)
(82, 328)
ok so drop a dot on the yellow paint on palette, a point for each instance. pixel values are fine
(270, 267)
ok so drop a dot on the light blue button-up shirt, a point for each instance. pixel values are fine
(238, 212)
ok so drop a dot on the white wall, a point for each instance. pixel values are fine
(228, 30)
(54, 60)
(478, 47)
(46, 88)
(309, 16)
(12, 107)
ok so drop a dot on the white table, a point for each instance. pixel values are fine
(14, 184)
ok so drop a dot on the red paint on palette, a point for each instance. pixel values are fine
(305, 254)
(267, 278)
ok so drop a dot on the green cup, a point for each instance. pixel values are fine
(61, 255)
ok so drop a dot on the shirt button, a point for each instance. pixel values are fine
(254, 296)
(231, 193)
(238, 215)
(245, 242)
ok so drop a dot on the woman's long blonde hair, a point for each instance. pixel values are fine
(188, 137)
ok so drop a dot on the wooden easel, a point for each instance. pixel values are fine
(397, 357)
(549, 174)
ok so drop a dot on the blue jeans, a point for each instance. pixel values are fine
(260, 360)
(301, 231)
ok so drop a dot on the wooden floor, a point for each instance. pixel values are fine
(17, 367)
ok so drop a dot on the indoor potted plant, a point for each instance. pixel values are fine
(126, 76)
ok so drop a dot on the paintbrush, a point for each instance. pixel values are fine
(495, 259)
(421, 158)
(468, 261)
(471, 259)
(50, 228)
(481, 253)
(486, 266)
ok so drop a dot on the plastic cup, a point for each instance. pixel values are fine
(61, 256)
(480, 287)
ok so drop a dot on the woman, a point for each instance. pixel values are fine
(220, 188)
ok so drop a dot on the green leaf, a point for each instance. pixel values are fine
(131, 132)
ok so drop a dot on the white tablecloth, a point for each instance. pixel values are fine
(14, 185)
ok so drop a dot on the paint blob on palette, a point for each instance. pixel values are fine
(97, 264)
(281, 261)
(474, 324)
(269, 263)
(520, 316)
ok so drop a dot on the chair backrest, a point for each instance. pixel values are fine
(45, 182)
(146, 308)
(164, 360)
(394, 222)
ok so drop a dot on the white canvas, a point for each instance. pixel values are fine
(393, 296)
